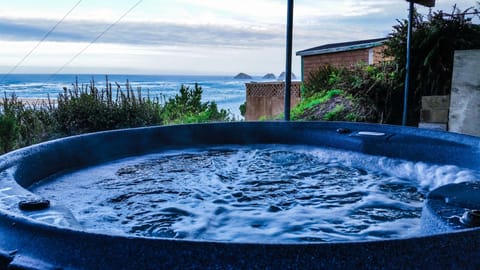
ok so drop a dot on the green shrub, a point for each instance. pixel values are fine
(377, 91)
(307, 104)
(352, 117)
(187, 107)
(320, 80)
(334, 114)
(8, 132)
(34, 122)
(243, 109)
(371, 89)
(87, 109)
(434, 40)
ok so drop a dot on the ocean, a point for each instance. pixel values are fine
(227, 92)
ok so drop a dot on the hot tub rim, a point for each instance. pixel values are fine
(8, 161)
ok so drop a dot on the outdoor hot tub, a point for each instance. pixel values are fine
(40, 231)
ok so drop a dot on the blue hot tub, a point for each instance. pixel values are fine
(35, 234)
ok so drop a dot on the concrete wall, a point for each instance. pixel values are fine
(434, 112)
(464, 114)
(267, 99)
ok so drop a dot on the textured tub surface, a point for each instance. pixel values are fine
(50, 238)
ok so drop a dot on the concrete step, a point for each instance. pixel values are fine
(434, 126)
(434, 116)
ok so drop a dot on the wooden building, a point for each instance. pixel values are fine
(342, 54)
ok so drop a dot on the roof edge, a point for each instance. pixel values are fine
(309, 52)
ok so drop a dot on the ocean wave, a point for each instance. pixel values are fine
(227, 92)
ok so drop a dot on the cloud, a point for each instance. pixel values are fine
(241, 11)
(239, 24)
(188, 35)
(154, 33)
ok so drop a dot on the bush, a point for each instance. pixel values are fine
(87, 109)
(378, 91)
(8, 132)
(243, 109)
(322, 79)
(30, 123)
(369, 91)
(335, 113)
(187, 107)
(434, 41)
(304, 107)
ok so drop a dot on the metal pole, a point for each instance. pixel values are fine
(407, 67)
(288, 62)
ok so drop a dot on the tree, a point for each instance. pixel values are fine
(434, 42)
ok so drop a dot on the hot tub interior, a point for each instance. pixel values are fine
(256, 193)
(243, 195)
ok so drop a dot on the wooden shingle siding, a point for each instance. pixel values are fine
(344, 54)
(348, 58)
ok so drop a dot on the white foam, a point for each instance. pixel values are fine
(253, 193)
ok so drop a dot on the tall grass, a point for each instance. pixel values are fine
(86, 108)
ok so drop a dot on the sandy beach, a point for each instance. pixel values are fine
(37, 101)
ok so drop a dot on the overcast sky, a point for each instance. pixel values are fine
(206, 37)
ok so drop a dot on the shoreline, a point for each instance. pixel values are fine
(37, 101)
(33, 89)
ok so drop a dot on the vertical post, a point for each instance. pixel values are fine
(301, 69)
(288, 61)
(407, 67)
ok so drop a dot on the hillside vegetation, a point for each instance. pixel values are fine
(375, 93)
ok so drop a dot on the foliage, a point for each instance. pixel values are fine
(319, 80)
(434, 41)
(263, 118)
(243, 109)
(332, 105)
(335, 113)
(8, 132)
(87, 109)
(369, 90)
(377, 91)
(29, 124)
(374, 90)
(211, 113)
(309, 103)
(352, 117)
(187, 107)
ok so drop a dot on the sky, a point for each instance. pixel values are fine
(190, 37)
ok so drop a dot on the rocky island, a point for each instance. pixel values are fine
(242, 76)
(269, 76)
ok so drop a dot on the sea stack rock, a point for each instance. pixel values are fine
(269, 76)
(242, 76)
(281, 77)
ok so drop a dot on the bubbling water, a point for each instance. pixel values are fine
(259, 193)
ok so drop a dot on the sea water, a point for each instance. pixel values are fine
(226, 91)
(259, 193)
